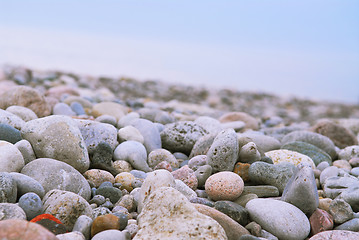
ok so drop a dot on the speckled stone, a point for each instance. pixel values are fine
(133, 152)
(233, 210)
(83, 225)
(8, 188)
(343, 164)
(295, 158)
(66, 206)
(242, 169)
(224, 186)
(341, 211)
(27, 184)
(249, 153)
(261, 191)
(351, 225)
(102, 158)
(128, 202)
(11, 211)
(114, 194)
(184, 189)
(197, 161)
(71, 236)
(24, 113)
(212, 125)
(11, 119)
(202, 145)
(125, 179)
(349, 152)
(31, 204)
(104, 222)
(11, 159)
(160, 155)
(202, 174)
(97, 176)
(122, 166)
(163, 165)
(186, 175)
(320, 221)
(336, 234)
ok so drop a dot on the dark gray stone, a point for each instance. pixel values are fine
(114, 194)
(9, 133)
(233, 210)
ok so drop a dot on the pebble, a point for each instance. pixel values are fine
(350, 225)
(351, 196)
(53, 174)
(264, 143)
(249, 153)
(104, 222)
(242, 169)
(354, 162)
(185, 189)
(83, 225)
(31, 204)
(99, 211)
(186, 175)
(150, 133)
(341, 211)
(125, 179)
(128, 202)
(343, 164)
(223, 152)
(321, 221)
(110, 235)
(108, 119)
(282, 155)
(122, 166)
(77, 108)
(11, 211)
(11, 119)
(8, 188)
(163, 165)
(201, 200)
(57, 137)
(71, 236)
(24, 113)
(273, 214)
(9, 133)
(11, 159)
(21, 229)
(244, 198)
(26, 184)
(130, 133)
(114, 194)
(324, 203)
(335, 186)
(66, 206)
(336, 234)
(97, 176)
(202, 145)
(323, 165)
(328, 172)
(235, 125)
(224, 186)
(26, 150)
(98, 200)
(349, 152)
(202, 174)
(160, 155)
(197, 161)
(133, 152)
(126, 120)
(250, 122)
(102, 158)
(168, 214)
(63, 109)
(254, 228)
(181, 136)
(261, 191)
(276, 175)
(233, 210)
(109, 108)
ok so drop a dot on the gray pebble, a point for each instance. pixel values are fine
(334, 186)
(202, 174)
(127, 119)
(99, 211)
(150, 133)
(107, 119)
(323, 165)
(202, 145)
(9, 133)
(98, 199)
(212, 125)
(8, 188)
(27, 184)
(77, 108)
(26, 150)
(63, 109)
(134, 153)
(349, 152)
(341, 211)
(249, 153)
(138, 174)
(110, 235)
(197, 161)
(11, 211)
(204, 201)
(350, 225)
(328, 173)
(31, 204)
(233, 210)
(83, 225)
(261, 191)
(114, 194)
(24, 113)
(355, 171)
(351, 196)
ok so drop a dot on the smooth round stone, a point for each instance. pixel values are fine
(114, 194)
(77, 108)
(53, 174)
(335, 186)
(11, 159)
(130, 133)
(202, 174)
(315, 139)
(224, 186)
(22, 229)
(83, 101)
(148, 113)
(31, 204)
(108, 119)
(133, 152)
(181, 136)
(26, 150)
(186, 175)
(11, 211)
(163, 117)
(9, 133)
(8, 188)
(63, 109)
(323, 165)
(160, 155)
(71, 236)
(249, 153)
(341, 211)
(27, 97)
(83, 225)
(24, 113)
(66, 206)
(126, 120)
(138, 174)
(122, 166)
(197, 161)
(132, 229)
(336, 234)
(26, 184)
(355, 171)
(202, 145)
(315, 153)
(57, 137)
(95, 132)
(349, 152)
(276, 175)
(341, 136)
(328, 172)
(223, 152)
(180, 156)
(212, 125)
(273, 121)
(104, 222)
(233, 210)
(272, 215)
(250, 121)
(235, 125)
(295, 158)
(264, 143)
(122, 218)
(109, 108)
(150, 133)
(11, 119)
(324, 203)
(97, 176)
(128, 202)
(125, 179)
(110, 235)
(254, 228)
(351, 225)
(343, 164)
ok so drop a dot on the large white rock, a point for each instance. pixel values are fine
(169, 215)
(282, 219)
(296, 158)
(11, 159)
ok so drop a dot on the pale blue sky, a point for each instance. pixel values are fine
(307, 48)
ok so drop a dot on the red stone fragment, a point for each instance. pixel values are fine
(321, 221)
(51, 223)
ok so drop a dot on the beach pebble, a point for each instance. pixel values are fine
(11, 119)
(160, 155)
(163, 165)
(334, 186)
(342, 164)
(125, 179)
(336, 234)
(27, 97)
(186, 175)
(351, 225)
(276, 175)
(254, 228)
(150, 133)
(264, 143)
(261, 191)
(184, 189)
(128, 202)
(134, 153)
(202, 174)
(24, 113)
(108, 119)
(244, 198)
(197, 161)
(295, 158)
(250, 122)
(272, 215)
(26, 150)
(11, 211)
(77, 108)
(71, 236)
(98, 200)
(110, 192)
(104, 222)
(235, 125)
(167, 213)
(66, 206)
(351, 196)
(130, 133)
(63, 109)
(109, 108)
(110, 235)
(224, 186)
(242, 169)
(301, 190)
(202, 145)
(223, 153)
(341, 136)
(53, 174)
(328, 172)
(321, 221)
(249, 153)
(8, 188)
(233, 210)
(211, 125)
(341, 211)
(127, 119)
(349, 152)
(313, 138)
(102, 158)
(31, 204)
(57, 137)
(11, 159)
(122, 166)
(9, 133)
(354, 162)
(83, 225)
(97, 176)
(21, 229)
(26, 184)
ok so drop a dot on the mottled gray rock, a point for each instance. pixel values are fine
(94, 132)
(108, 119)
(315, 139)
(160, 155)
(202, 174)
(26, 150)
(127, 119)
(276, 175)
(261, 191)
(57, 137)
(9, 133)
(134, 153)
(249, 153)
(53, 174)
(31, 204)
(349, 152)
(351, 225)
(315, 153)
(8, 188)
(341, 211)
(202, 145)
(110, 235)
(223, 153)
(233, 210)
(62, 109)
(272, 215)
(184, 189)
(27, 184)
(351, 196)
(334, 186)
(11, 159)
(328, 172)
(150, 133)
(301, 190)
(181, 136)
(11, 119)
(336, 234)
(11, 211)
(66, 206)
(83, 225)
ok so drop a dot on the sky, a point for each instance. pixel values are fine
(307, 48)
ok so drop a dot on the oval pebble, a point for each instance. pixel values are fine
(224, 186)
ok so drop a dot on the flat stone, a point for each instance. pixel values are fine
(27, 184)
(133, 152)
(224, 186)
(57, 137)
(351, 225)
(272, 215)
(11, 159)
(223, 153)
(244, 198)
(351, 196)
(53, 174)
(109, 108)
(66, 206)
(11, 211)
(320, 221)
(8, 188)
(334, 186)
(261, 190)
(301, 190)
(168, 214)
(336, 234)
(150, 133)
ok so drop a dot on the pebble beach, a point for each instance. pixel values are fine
(102, 158)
